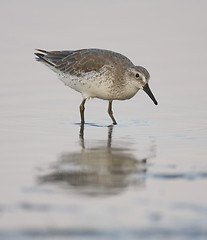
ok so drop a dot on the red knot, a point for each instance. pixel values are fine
(97, 73)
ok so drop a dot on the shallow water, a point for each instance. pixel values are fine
(145, 178)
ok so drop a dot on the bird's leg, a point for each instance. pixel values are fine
(110, 112)
(82, 108)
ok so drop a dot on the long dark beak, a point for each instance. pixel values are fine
(149, 93)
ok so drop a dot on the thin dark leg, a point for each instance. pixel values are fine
(110, 112)
(82, 108)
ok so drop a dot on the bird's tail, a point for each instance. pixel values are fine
(42, 58)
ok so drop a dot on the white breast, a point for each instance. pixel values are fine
(99, 85)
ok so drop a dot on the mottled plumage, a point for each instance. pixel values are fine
(97, 73)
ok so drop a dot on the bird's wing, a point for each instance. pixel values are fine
(82, 61)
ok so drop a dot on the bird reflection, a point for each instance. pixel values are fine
(104, 168)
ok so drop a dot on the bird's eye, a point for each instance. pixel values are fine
(137, 75)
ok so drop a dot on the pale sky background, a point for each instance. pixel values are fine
(167, 37)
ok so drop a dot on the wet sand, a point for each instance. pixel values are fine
(145, 178)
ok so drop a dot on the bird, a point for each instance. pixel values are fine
(97, 73)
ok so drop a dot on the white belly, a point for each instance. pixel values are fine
(98, 85)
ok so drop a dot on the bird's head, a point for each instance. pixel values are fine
(139, 77)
